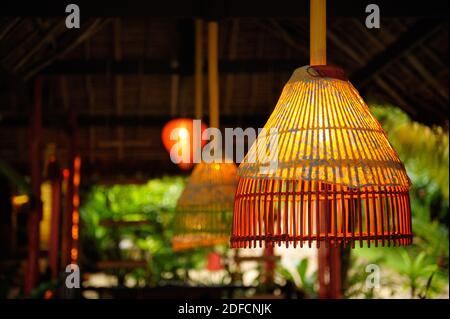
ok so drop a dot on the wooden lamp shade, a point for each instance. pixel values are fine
(337, 180)
(205, 208)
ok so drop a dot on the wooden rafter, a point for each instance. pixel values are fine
(232, 49)
(407, 41)
(87, 32)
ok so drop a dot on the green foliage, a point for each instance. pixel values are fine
(153, 202)
(416, 268)
(307, 281)
(422, 267)
(423, 150)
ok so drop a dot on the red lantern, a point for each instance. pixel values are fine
(214, 262)
(179, 140)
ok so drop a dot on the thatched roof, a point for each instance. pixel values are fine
(124, 77)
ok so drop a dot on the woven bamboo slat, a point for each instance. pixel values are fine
(337, 179)
(205, 208)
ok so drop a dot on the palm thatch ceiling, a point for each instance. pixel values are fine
(121, 78)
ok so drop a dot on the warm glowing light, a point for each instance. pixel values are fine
(48, 294)
(20, 200)
(187, 137)
(76, 200)
(75, 232)
(75, 205)
(45, 224)
(183, 133)
(204, 210)
(74, 254)
(66, 173)
(75, 217)
(77, 163)
(337, 179)
(76, 180)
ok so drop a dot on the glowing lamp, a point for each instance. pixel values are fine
(337, 180)
(180, 133)
(205, 208)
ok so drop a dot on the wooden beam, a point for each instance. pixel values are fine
(232, 48)
(9, 27)
(44, 40)
(35, 214)
(165, 66)
(225, 9)
(213, 74)
(347, 49)
(419, 32)
(428, 77)
(198, 66)
(119, 143)
(395, 96)
(274, 27)
(91, 102)
(69, 46)
(254, 78)
(118, 83)
(148, 120)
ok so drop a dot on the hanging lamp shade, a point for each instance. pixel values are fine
(205, 208)
(181, 131)
(337, 180)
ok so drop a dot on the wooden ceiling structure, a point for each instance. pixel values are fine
(123, 75)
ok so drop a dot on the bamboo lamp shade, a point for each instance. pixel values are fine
(205, 208)
(337, 180)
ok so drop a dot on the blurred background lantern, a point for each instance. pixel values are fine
(204, 209)
(181, 132)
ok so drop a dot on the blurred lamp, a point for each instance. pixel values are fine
(180, 132)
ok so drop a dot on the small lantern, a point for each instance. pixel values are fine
(180, 133)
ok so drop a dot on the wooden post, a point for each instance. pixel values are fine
(54, 174)
(75, 214)
(198, 69)
(66, 235)
(269, 264)
(317, 33)
(35, 214)
(329, 272)
(213, 73)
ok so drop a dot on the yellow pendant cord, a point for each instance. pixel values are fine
(318, 33)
